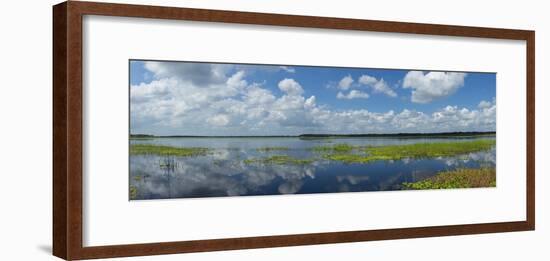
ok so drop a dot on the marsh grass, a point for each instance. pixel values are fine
(143, 149)
(342, 152)
(279, 160)
(459, 178)
(168, 163)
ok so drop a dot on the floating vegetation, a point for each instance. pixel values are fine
(141, 149)
(137, 178)
(268, 149)
(280, 160)
(431, 150)
(459, 178)
(133, 192)
(396, 152)
(337, 148)
(355, 158)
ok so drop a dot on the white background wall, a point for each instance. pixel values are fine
(25, 116)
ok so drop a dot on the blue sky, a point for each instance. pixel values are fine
(170, 98)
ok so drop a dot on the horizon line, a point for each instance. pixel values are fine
(460, 133)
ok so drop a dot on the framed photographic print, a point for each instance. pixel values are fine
(185, 130)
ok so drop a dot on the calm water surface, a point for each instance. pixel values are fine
(223, 172)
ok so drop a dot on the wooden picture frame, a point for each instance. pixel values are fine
(68, 118)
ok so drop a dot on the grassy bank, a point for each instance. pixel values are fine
(141, 149)
(280, 160)
(348, 154)
(459, 178)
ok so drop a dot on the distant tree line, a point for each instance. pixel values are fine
(326, 135)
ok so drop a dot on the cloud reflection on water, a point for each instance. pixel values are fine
(223, 173)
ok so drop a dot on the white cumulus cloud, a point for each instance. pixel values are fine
(353, 94)
(382, 87)
(345, 83)
(310, 103)
(367, 80)
(484, 104)
(237, 80)
(230, 104)
(218, 120)
(378, 86)
(287, 69)
(291, 87)
(433, 85)
(198, 73)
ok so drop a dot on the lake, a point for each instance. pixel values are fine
(226, 169)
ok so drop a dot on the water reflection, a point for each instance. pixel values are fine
(224, 173)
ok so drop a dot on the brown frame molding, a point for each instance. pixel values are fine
(67, 129)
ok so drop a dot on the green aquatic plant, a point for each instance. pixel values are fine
(459, 178)
(355, 158)
(431, 150)
(279, 160)
(268, 149)
(338, 148)
(143, 149)
(133, 192)
(396, 152)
